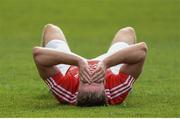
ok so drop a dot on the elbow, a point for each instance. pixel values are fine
(144, 47)
(36, 52)
(144, 50)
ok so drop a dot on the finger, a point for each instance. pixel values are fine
(84, 79)
(97, 74)
(88, 70)
(99, 78)
(86, 75)
(101, 64)
(99, 68)
(96, 70)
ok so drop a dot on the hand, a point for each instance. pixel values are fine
(84, 72)
(98, 75)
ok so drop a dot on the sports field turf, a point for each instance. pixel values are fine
(89, 26)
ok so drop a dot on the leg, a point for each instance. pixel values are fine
(50, 32)
(126, 35)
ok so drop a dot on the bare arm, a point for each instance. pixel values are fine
(46, 57)
(49, 57)
(130, 55)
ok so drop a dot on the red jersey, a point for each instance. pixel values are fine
(65, 88)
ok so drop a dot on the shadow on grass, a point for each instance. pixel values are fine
(47, 101)
(44, 96)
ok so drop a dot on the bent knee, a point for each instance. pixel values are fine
(128, 29)
(48, 25)
(50, 32)
(51, 27)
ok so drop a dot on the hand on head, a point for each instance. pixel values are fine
(92, 73)
(91, 90)
(99, 73)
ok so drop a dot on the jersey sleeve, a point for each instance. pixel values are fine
(64, 88)
(118, 87)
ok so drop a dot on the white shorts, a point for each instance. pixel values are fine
(62, 46)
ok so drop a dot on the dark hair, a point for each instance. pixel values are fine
(87, 99)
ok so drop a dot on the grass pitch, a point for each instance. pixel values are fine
(89, 26)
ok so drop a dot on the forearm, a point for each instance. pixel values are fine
(50, 57)
(130, 55)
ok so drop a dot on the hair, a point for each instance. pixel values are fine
(87, 99)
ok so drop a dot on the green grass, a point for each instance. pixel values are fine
(89, 26)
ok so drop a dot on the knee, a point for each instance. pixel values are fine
(128, 30)
(49, 27)
(50, 32)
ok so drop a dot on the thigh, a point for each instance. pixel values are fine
(117, 47)
(132, 69)
(112, 49)
(58, 45)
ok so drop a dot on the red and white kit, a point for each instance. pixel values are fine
(64, 84)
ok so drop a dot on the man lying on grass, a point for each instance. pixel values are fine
(106, 79)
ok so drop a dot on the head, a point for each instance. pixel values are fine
(91, 94)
